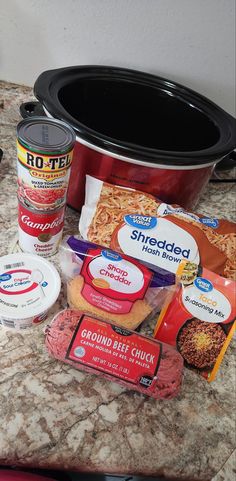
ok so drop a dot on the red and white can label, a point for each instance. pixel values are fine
(40, 233)
(42, 178)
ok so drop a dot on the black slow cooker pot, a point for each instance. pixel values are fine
(137, 130)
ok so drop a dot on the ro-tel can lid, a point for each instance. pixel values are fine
(29, 285)
(44, 135)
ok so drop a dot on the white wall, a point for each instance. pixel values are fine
(190, 41)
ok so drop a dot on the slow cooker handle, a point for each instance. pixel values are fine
(31, 109)
(228, 162)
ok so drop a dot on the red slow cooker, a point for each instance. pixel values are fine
(11, 475)
(137, 130)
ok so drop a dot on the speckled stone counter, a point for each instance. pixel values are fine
(54, 416)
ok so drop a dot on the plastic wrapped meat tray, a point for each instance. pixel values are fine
(98, 347)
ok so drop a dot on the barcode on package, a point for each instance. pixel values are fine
(13, 325)
(12, 266)
(7, 323)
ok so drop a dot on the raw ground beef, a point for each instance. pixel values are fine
(169, 375)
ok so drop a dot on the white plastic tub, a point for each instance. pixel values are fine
(29, 286)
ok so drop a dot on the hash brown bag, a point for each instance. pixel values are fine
(137, 224)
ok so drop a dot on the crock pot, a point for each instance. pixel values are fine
(137, 130)
(12, 475)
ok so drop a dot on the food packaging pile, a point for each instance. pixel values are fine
(134, 261)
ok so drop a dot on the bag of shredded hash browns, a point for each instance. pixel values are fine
(137, 224)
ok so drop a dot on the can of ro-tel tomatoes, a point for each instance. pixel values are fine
(44, 152)
(40, 232)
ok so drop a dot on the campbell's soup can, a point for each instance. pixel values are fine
(44, 156)
(40, 232)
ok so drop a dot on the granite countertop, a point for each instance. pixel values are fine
(52, 415)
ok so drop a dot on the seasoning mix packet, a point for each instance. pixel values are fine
(199, 320)
(112, 286)
(139, 225)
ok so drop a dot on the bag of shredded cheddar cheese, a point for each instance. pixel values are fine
(112, 286)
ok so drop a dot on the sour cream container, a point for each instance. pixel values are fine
(29, 286)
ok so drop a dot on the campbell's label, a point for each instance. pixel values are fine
(42, 179)
(40, 233)
(116, 351)
(156, 240)
(112, 282)
(35, 223)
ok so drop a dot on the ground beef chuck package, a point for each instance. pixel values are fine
(199, 320)
(139, 225)
(112, 286)
(117, 354)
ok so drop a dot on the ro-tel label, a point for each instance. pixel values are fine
(116, 351)
(113, 282)
(44, 166)
(156, 240)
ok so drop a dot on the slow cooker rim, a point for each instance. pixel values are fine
(148, 163)
(214, 153)
(157, 157)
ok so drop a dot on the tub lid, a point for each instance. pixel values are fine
(29, 285)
